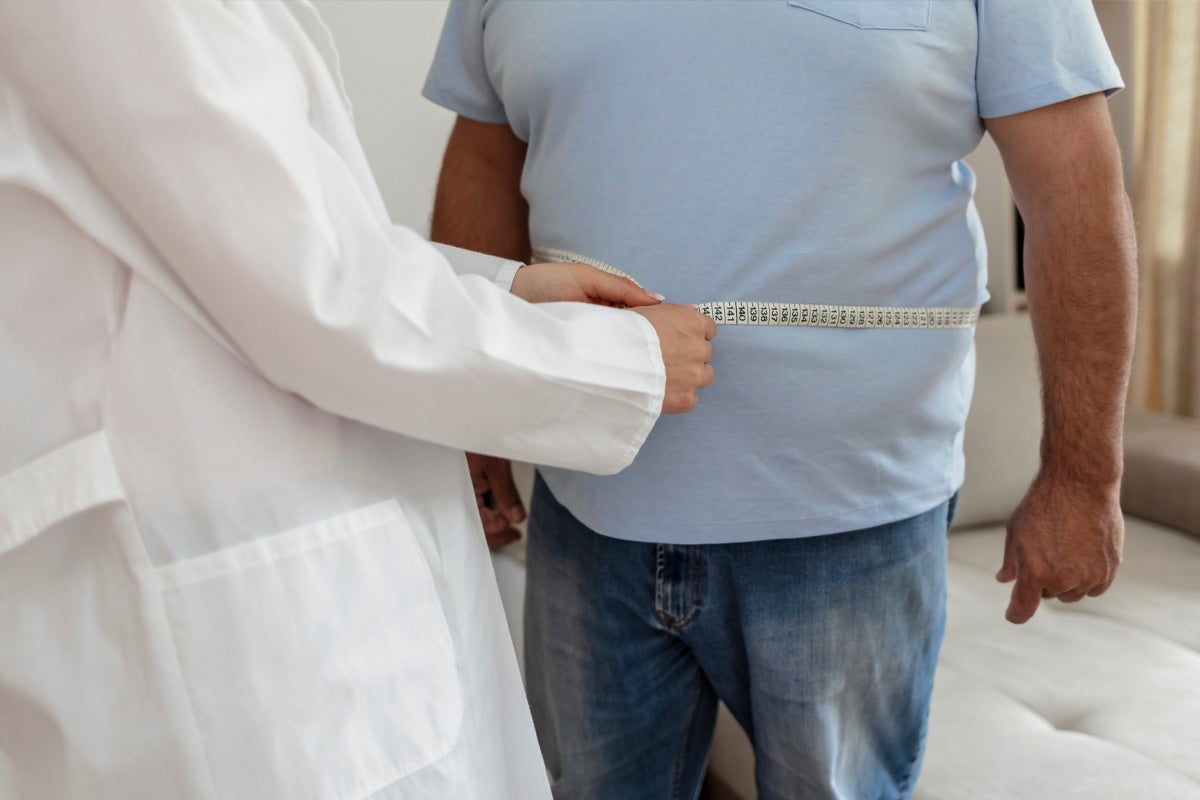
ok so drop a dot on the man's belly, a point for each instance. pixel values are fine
(806, 431)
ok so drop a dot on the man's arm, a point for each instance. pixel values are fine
(479, 207)
(1065, 538)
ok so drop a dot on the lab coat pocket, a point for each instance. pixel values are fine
(318, 661)
(891, 15)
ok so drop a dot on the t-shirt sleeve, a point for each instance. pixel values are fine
(1034, 53)
(458, 79)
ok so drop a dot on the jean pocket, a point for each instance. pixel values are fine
(318, 662)
(889, 15)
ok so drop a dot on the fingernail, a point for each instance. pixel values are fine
(516, 514)
(692, 305)
(657, 296)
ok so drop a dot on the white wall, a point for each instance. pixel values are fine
(386, 47)
(1117, 19)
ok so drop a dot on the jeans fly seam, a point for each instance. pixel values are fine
(695, 554)
(697, 577)
(661, 590)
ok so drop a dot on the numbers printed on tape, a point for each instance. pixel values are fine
(809, 315)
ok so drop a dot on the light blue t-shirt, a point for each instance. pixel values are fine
(803, 151)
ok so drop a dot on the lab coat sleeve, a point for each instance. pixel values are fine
(499, 271)
(195, 124)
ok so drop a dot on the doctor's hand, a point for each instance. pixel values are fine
(580, 283)
(1064, 541)
(685, 336)
(496, 496)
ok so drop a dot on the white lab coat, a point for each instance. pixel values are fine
(239, 554)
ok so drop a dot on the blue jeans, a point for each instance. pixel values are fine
(823, 648)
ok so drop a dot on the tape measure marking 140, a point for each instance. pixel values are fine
(811, 315)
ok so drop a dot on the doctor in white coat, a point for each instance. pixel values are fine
(239, 550)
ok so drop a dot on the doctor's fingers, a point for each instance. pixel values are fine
(614, 290)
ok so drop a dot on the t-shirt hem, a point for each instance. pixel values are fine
(742, 531)
(1107, 80)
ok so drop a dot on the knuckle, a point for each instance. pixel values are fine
(1037, 573)
(1057, 585)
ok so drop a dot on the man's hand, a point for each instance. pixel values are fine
(1081, 280)
(684, 334)
(1063, 541)
(496, 496)
(547, 283)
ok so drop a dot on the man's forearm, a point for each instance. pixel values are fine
(1082, 287)
(478, 205)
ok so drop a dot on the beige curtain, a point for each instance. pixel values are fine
(1167, 206)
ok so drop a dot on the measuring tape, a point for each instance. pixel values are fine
(809, 315)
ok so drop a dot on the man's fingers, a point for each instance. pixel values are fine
(504, 490)
(476, 466)
(493, 521)
(1024, 602)
(1074, 595)
(710, 328)
(1008, 569)
(492, 480)
(504, 537)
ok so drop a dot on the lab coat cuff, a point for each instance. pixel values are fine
(467, 262)
(653, 399)
(508, 272)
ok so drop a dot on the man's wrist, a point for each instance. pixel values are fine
(1083, 473)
